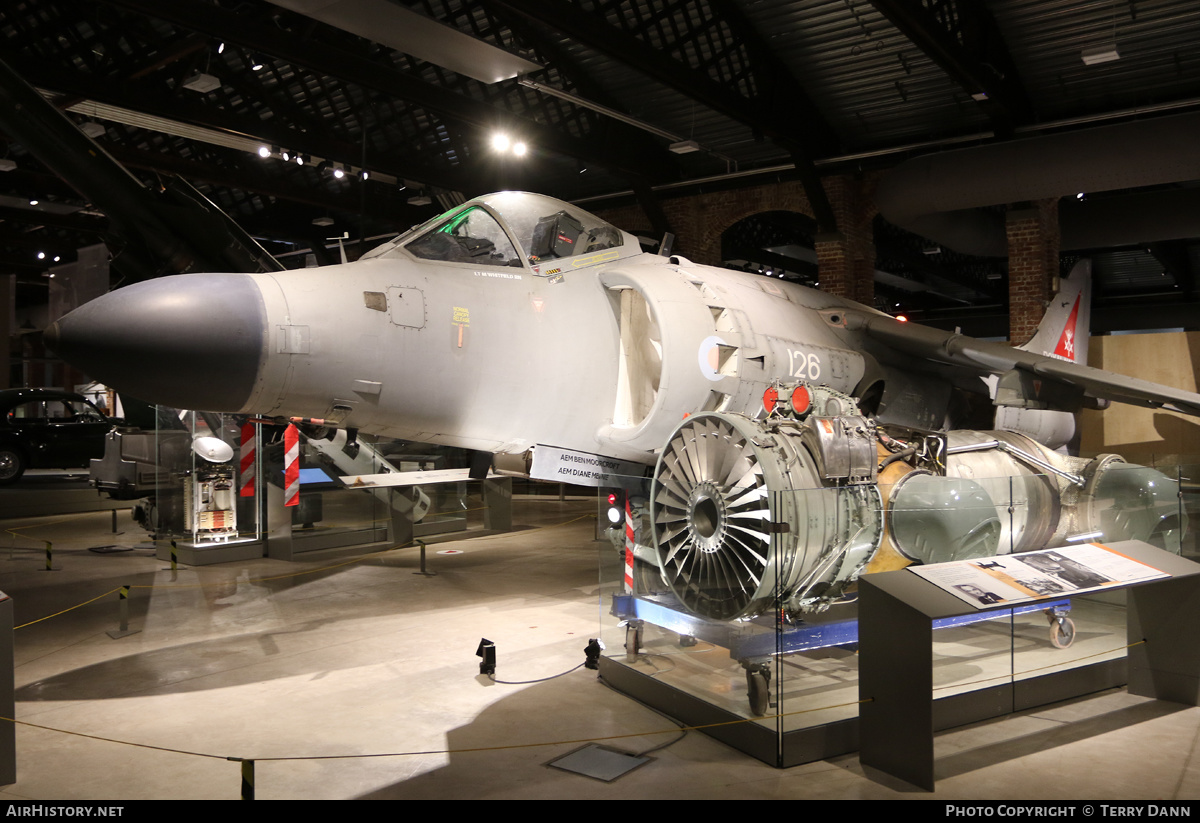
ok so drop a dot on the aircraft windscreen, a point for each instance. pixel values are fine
(470, 236)
(548, 229)
(396, 242)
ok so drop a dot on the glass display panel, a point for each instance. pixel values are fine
(204, 492)
(746, 598)
(324, 514)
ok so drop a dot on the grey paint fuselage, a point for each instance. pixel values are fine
(503, 359)
(579, 340)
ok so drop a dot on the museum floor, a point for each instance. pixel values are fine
(315, 669)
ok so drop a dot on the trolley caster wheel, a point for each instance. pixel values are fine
(633, 640)
(1062, 632)
(686, 641)
(758, 689)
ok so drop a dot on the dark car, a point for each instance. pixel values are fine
(44, 428)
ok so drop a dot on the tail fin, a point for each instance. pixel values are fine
(1063, 333)
(1065, 328)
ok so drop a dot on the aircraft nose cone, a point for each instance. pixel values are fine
(190, 341)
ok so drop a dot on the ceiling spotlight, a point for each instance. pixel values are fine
(33, 202)
(41, 255)
(221, 49)
(519, 149)
(300, 161)
(500, 142)
(338, 173)
(263, 151)
(286, 155)
(57, 258)
(364, 174)
(256, 63)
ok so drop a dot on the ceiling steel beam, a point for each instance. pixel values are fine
(82, 224)
(979, 62)
(793, 123)
(260, 181)
(179, 109)
(248, 31)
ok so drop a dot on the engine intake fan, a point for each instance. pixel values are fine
(726, 493)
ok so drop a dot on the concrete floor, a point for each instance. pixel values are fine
(315, 669)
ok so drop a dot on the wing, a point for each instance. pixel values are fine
(1026, 379)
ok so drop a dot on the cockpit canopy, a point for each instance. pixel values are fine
(514, 229)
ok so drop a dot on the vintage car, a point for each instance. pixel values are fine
(46, 428)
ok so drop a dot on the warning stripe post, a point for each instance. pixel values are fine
(291, 466)
(247, 780)
(628, 547)
(248, 462)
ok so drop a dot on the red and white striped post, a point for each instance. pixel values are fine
(248, 462)
(291, 466)
(629, 542)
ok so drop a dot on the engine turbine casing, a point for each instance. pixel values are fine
(743, 518)
(786, 512)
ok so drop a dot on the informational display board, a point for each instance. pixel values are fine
(1048, 573)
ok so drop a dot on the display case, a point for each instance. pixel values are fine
(207, 486)
(738, 613)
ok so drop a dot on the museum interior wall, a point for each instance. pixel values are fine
(1134, 432)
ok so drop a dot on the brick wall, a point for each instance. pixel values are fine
(845, 260)
(699, 220)
(1033, 243)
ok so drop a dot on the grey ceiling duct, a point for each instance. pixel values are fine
(941, 196)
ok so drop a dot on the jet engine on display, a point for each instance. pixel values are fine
(790, 509)
(819, 437)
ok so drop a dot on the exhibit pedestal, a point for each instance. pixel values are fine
(206, 554)
(390, 527)
(896, 613)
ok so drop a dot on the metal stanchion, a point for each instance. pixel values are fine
(421, 543)
(49, 556)
(124, 630)
(174, 567)
(247, 779)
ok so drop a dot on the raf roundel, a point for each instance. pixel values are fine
(710, 358)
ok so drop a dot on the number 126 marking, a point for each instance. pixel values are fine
(804, 366)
